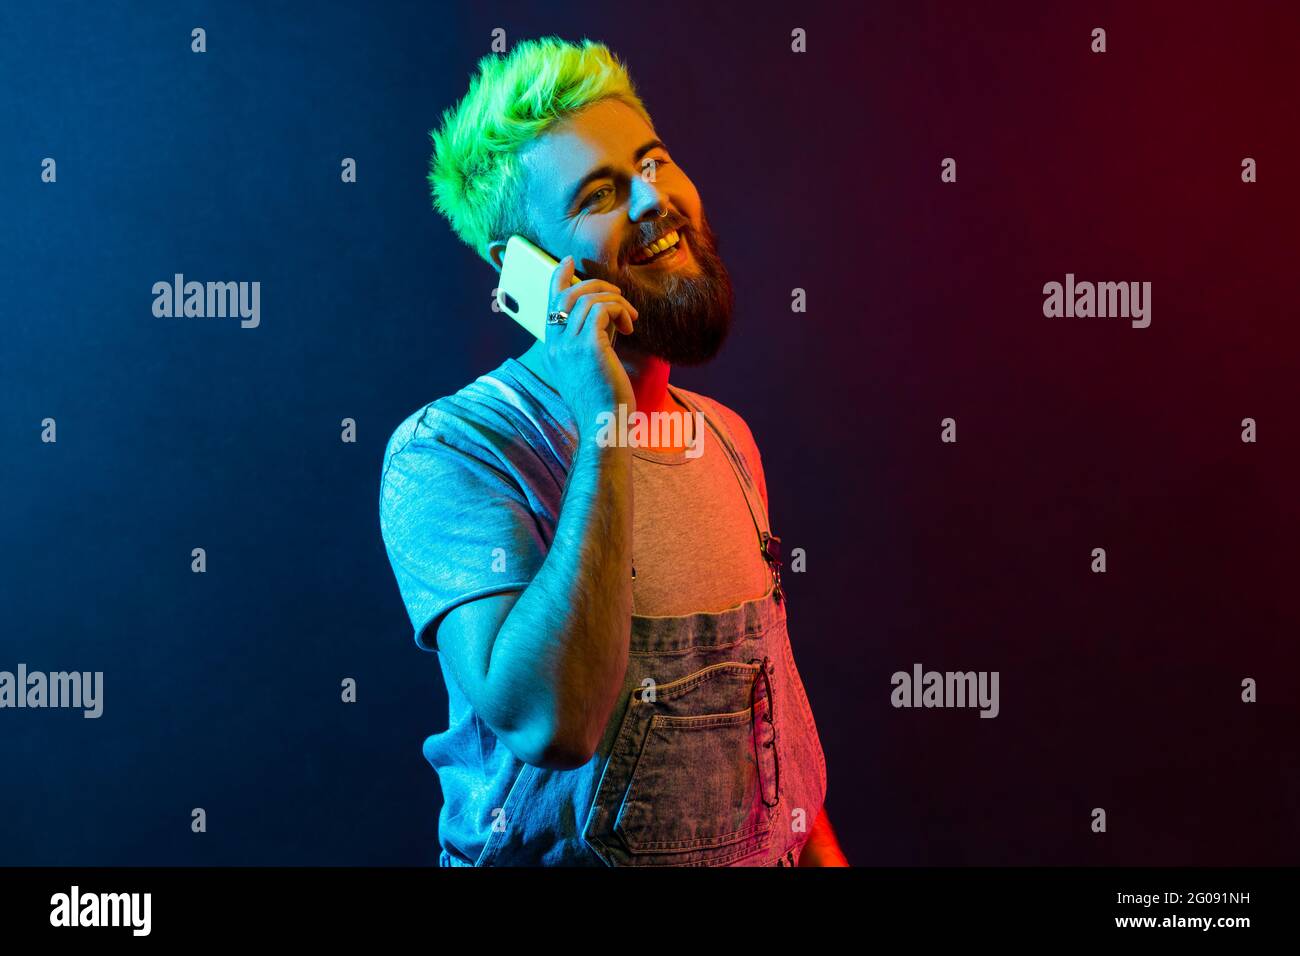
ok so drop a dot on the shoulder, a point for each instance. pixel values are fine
(502, 440)
(741, 436)
(500, 416)
(428, 442)
(731, 419)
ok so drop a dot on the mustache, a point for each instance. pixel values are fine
(685, 317)
(657, 230)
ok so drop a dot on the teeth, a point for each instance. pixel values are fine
(666, 242)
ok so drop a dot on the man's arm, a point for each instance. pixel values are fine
(822, 849)
(546, 680)
(543, 667)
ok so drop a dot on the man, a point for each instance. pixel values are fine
(608, 613)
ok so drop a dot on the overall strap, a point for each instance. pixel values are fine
(769, 545)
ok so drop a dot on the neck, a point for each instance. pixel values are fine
(649, 378)
(648, 375)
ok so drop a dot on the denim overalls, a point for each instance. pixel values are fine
(711, 756)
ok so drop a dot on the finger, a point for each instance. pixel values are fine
(608, 313)
(617, 313)
(582, 308)
(626, 320)
(560, 277)
(568, 297)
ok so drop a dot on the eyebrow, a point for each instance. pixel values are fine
(601, 172)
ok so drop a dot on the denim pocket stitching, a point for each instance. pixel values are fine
(675, 688)
(703, 843)
(628, 750)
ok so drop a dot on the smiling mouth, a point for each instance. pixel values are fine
(666, 247)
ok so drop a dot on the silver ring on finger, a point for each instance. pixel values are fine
(557, 318)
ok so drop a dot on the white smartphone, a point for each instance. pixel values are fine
(524, 287)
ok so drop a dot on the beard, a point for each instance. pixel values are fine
(682, 317)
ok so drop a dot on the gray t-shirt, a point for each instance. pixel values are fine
(471, 491)
(469, 501)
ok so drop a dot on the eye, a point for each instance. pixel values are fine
(656, 163)
(594, 196)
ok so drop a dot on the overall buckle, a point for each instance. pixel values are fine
(772, 555)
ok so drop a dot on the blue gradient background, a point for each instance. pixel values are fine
(819, 171)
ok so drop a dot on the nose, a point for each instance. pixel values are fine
(647, 202)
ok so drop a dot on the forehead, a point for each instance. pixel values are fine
(606, 132)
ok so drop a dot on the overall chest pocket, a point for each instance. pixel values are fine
(691, 777)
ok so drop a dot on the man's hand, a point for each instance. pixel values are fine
(580, 363)
(822, 849)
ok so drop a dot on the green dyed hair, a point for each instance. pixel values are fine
(475, 175)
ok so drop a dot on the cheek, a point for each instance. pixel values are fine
(690, 200)
(596, 239)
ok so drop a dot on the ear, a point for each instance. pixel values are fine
(496, 251)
